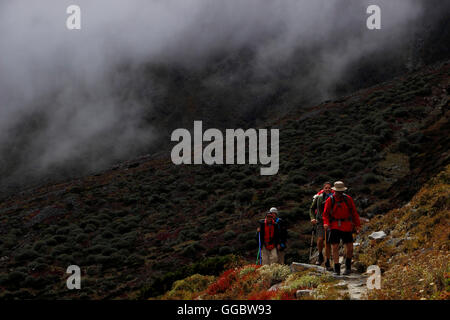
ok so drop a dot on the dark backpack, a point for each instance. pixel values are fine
(281, 231)
(322, 206)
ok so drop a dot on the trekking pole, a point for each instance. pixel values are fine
(312, 241)
(259, 250)
(325, 232)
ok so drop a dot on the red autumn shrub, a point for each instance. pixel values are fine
(223, 283)
(263, 295)
(287, 295)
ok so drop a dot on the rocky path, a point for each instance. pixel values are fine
(354, 284)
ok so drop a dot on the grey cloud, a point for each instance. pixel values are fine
(40, 58)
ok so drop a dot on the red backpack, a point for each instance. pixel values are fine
(269, 231)
(333, 203)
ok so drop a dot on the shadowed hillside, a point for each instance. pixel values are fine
(137, 227)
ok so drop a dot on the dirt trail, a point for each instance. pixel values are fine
(354, 284)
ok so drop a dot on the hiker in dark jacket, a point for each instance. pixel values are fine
(340, 216)
(269, 235)
(316, 212)
(283, 235)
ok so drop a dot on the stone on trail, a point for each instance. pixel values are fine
(342, 285)
(303, 293)
(354, 285)
(377, 235)
(276, 287)
(296, 266)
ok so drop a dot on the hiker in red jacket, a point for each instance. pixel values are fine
(269, 235)
(340, 216)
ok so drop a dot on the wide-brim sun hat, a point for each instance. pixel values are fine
(339, 186)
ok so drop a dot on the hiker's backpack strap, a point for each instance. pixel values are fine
(332, 206)
(350, 207)
(345, 199)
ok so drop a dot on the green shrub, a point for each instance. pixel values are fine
(39, 246)
(337, 174)
(107, 234)
(308, 281)
(81, 238)
(357, 166)
(229, 235)
(192, 250)
(245, 196)
(321, 178)
(183, 186)
(16, 277)
(401, 112)
(66, 258)
(236, 175)
(249, 182)
(134, 260)
(298, 179)
(370, 178)
(225, 250)
(90, 228)
(184, 289)
(250, 244)
(26, 255)
(201, 195)
(271, 201)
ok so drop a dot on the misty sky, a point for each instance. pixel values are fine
(62, 79)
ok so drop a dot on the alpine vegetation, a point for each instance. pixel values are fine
(214, 152)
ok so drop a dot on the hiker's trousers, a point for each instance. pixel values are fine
(269, 256)
(281, 255)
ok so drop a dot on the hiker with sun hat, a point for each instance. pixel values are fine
(340, 216)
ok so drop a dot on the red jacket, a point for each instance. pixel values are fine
(341, 211)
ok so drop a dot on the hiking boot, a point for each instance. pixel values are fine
(348, 266)
(320, 261)
(337, 269)
(328, 266)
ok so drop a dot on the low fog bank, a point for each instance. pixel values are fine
(73, 102)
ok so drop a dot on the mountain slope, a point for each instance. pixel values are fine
(137, 227)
